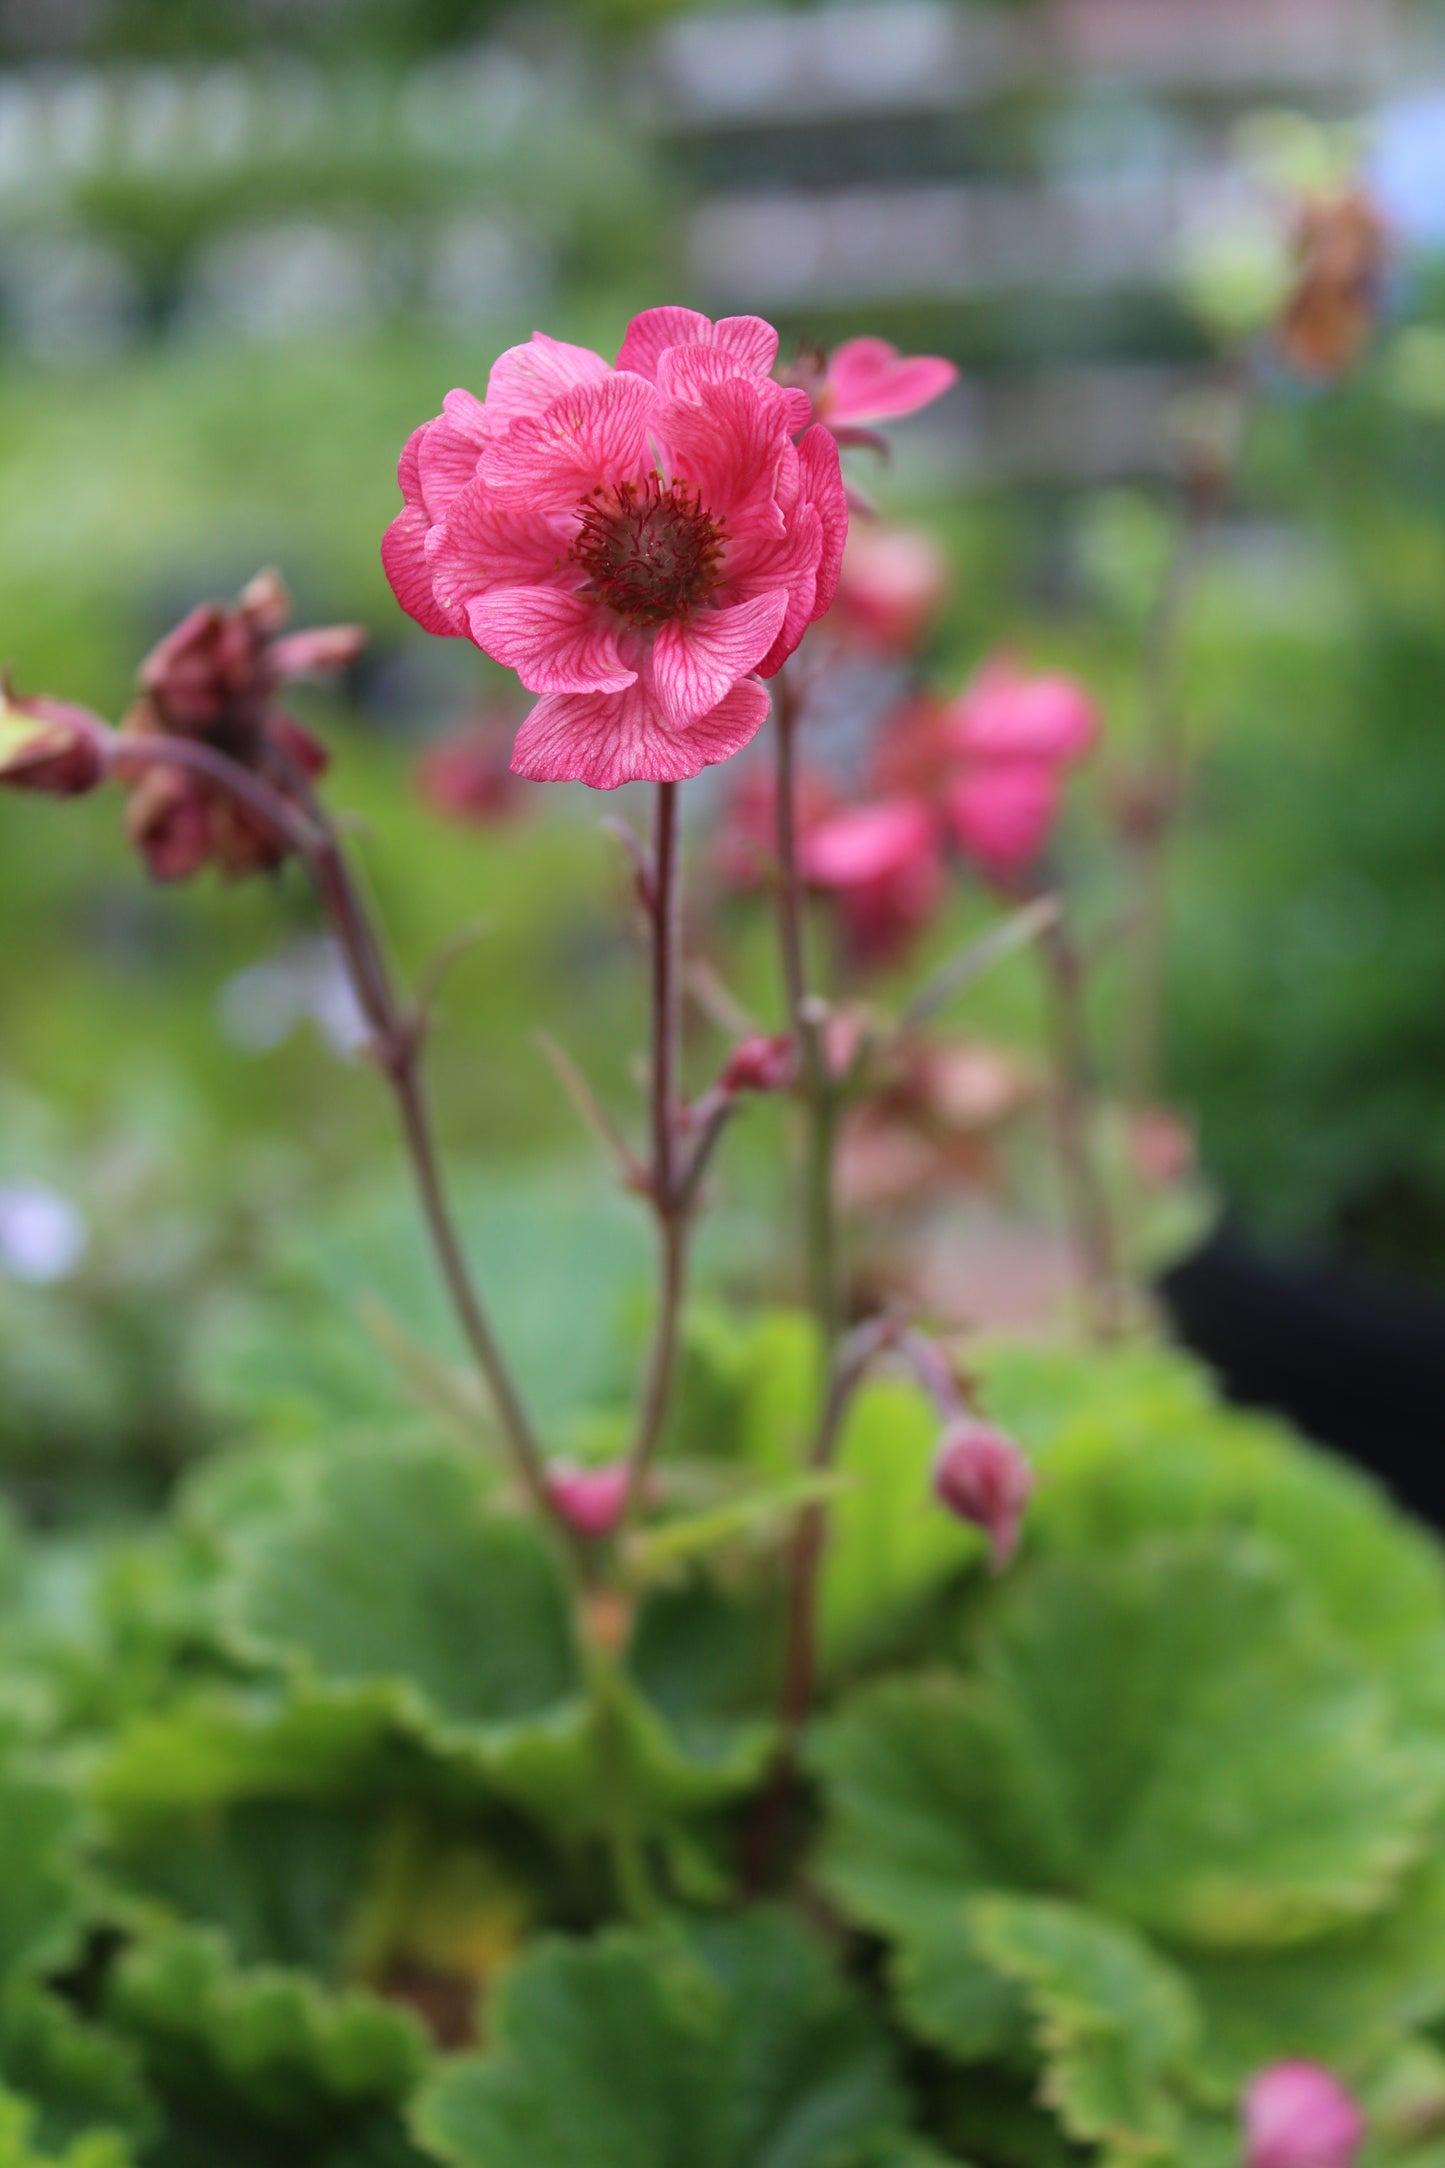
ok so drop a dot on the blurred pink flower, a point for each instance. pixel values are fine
(465, 778)
(892, 584)
(641, 543)
(214, 679)
(883, 865)
(745, 847)
(1003, 812)
(589, 1499)
(868, 381)
(980, 1475)
(1299, 2115)
(51, 746)
(1008, 713)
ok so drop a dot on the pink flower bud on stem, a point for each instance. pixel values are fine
(589, 1500)
(1299, 2115)
(52, 746)
(980, 1476)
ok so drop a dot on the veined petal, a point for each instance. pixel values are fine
(488, 539)
(728, 442)
(449, 448)
(555, 641)
(606, 739)
(404, 561)
(695, 662)
(821, 481)
(526, 379)
(591, 436)
(752, 343)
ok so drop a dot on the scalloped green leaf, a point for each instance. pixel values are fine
(1114, 2025)
(20, 2147)
(1172, 1736)
(741, 2050)
(390, 1570)
(1137, 1446)
(1343, 1999)
(259, 2064)
(77, 2076)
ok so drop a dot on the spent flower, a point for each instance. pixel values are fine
(51, 746)
(214, 680)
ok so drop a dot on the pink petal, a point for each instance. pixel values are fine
(870, 381)
(526, 379)
(408, 467)
(555, 641)
(589, 437)
(491, 540)
(404, 561)
(326, 648)
(751, 343)
(449, 448)
(605, 739)
(864, 843)
(1007, 714)
(729, 441)
(695, 663)
(822, 483)
(790, 562)
(1002, 813)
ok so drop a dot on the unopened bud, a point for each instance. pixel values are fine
(589, 1499)
(1299, 2115)
(51, 746)
(981, 1476)
(761, 1065)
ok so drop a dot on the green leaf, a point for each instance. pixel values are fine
(40, 1891)
(77, 2075)
(260, 2065)
(20, 2148)
(390, 1571)
(1114, 2025)
(638, 2051)
(1171, 1735)
(1343, 1999)
(1135, 1445)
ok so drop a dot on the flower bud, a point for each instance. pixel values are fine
(1298, 2115)
(51, 746)
(589, 1499)
(981, 1476)
(761, 1065)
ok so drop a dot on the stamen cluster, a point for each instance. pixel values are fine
(649, 549)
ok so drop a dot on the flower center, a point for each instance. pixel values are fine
(650, 550)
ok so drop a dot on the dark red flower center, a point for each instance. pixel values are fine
(649, 549)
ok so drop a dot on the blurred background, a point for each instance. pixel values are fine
(246, 245)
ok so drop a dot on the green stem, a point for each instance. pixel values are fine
(626, 1849)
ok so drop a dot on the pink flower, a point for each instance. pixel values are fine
(642, 543)
(1002, 813)
(893, 581)
(1010, 714)
(867, 381)
(215, 679)
(51, 746)
(465, 778)
(589, 1499)
(1298, 2115)
(981, 1476)
(883, 866)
